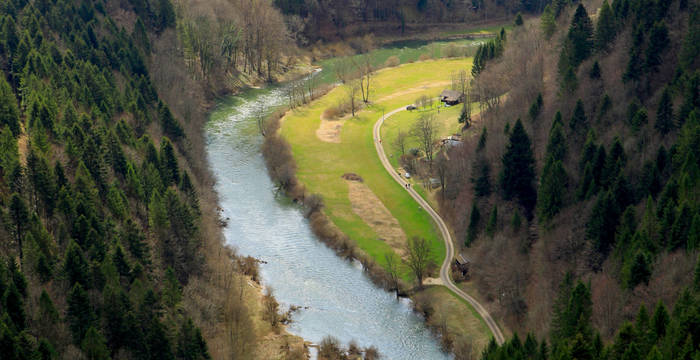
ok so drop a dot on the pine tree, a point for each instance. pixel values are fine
(578, 119)
(552, 186)
(547, 22)
(580, 36)
(600, 228)
(556, 148)
(536, 107)
(190, 344)
(482, 178)
(658, 42)
(595, 71)
(664, 113)
(482, 140)
(168, 163)
(170, 125)
(75, 265)
(639, 271)
(606, 27)
(9, 113)
(80, 314)
(473, 229)
(492, 224)
(518, 20)
(518, 171)
(94, 345)
(19, 214)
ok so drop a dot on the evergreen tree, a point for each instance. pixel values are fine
(664, 113)
(81, 317)
(492, 224)
(578, 119)
(556, 147)
(595, 71)
(552, 186)
(547, 22)
(190, 344)
(482, 140)
(518, 20)
(518, 171)
(14, 306)
(639, 271)
(19, 214)
(600, 228)
(170, 125)
(94, 345)
(75, 265)
(168, 163)
(482, 178)
(658, 42)
(536, 107)
(606, 27)
(9, 113)
(580, 36)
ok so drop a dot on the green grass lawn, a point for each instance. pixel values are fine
(446, 120)
(321, 164)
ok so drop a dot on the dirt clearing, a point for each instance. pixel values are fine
(371, 210)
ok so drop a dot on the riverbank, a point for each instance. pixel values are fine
(321, 165)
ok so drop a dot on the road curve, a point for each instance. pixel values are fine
(447, 237)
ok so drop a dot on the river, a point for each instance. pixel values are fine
(336, 297)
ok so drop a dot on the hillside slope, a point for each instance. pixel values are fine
(587, 170)
(110, 244)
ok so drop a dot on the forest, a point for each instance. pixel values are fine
(110, 245)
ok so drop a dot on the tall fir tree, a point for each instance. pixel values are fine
(518, 172)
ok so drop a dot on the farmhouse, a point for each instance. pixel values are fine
(451, 97)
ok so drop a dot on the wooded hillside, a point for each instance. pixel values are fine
(110, 244)
(577, 193)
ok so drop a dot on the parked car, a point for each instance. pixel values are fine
(410, 107)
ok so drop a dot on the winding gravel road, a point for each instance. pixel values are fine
(447, 237)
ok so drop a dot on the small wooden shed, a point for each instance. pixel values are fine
(451, 97)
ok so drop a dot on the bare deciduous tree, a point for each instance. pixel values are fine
(425, 130)
(400, 142)
(441, 167)
(366, 72)
(351, 89)
(260, 117)
(271, 307)
(418, 251)
(392, 267)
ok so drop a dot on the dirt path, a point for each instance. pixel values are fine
(447, 237)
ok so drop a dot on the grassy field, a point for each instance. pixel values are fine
(406, 51)
(321, 164)
(458, 318)
(446, 120)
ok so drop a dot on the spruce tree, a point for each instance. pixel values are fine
(552, 187)
(578, 119)
(94, 345)
(9, 113)
(482, 178)
(168, 163)
(492, 224)
(518, 173)
(600, 228)
(580, 36)
(518, 20)
(658, 42)
(547, 22)
(80, 315)
(19, 214)
(664, 113)
(606, 27)
(595, 71)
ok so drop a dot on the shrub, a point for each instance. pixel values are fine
(424, 57)
(392, 61)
